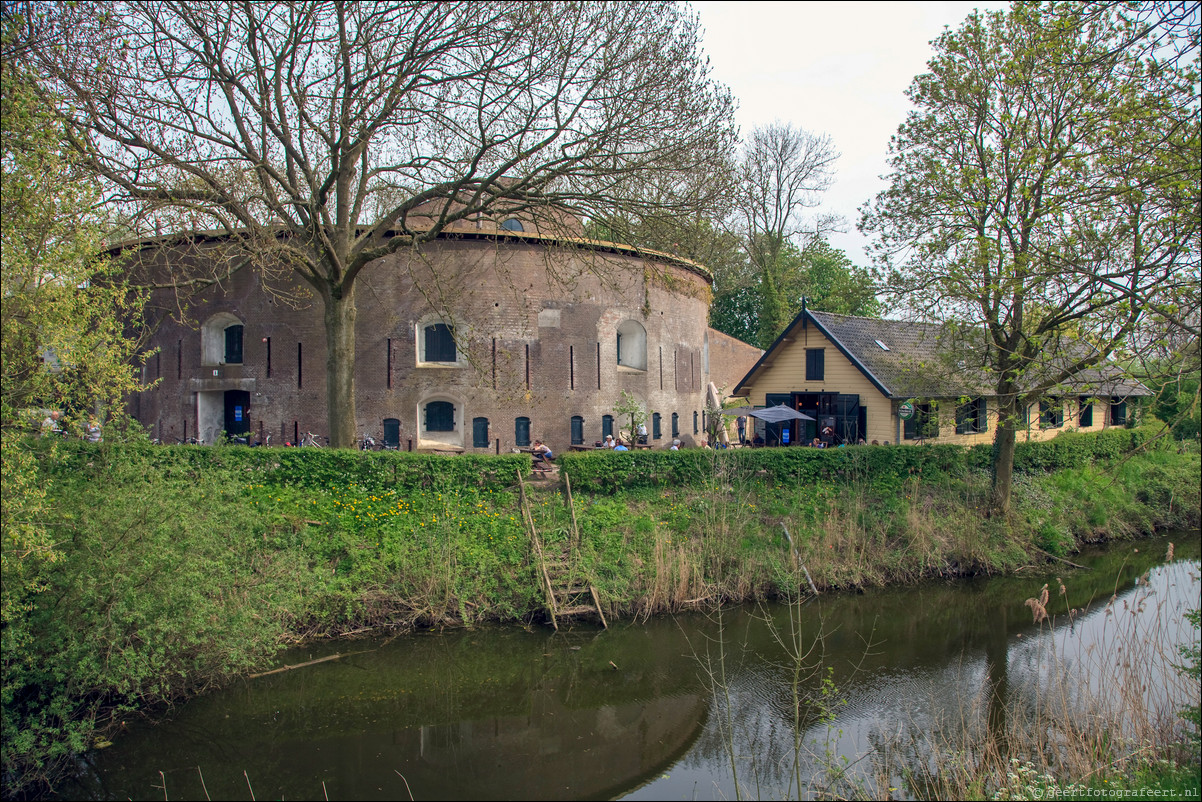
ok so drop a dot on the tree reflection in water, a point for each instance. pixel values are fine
(911, 676)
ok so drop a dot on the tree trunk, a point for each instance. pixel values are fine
(1003, 462)
(340, 367)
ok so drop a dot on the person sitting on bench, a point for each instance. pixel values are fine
(542, 456)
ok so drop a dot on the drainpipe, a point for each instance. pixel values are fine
(896, 427)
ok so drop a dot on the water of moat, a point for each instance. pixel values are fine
(644, 710)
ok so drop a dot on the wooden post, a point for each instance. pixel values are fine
(538, 551)
(572, 506)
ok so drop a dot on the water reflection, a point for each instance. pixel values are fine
(643, 711)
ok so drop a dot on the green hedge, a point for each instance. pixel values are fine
(311, 467)
(606, 471)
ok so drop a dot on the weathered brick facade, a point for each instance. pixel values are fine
(536, 325)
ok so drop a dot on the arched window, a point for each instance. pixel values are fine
(221, 340)
(577, 430)
(479, 432)
(607, 426)
(632, 345)
(440, 416)
(521, 431)
(441, 423)
(513, 224)
(696, 426)
(656, 432)
(675, 425)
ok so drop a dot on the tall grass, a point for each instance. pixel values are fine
(179, 574)
(1092, 702)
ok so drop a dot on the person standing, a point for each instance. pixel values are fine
(741, 423)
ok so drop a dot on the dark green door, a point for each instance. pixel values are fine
(237, 412)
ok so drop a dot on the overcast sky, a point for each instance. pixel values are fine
(835, 68)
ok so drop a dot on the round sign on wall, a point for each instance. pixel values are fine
(905, 410)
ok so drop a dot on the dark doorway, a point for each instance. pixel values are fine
(392, 433)
(840, 415)
(237, 412)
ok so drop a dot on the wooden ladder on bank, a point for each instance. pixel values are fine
(567, 594)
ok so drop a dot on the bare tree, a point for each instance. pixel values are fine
(782, 174)
(322, 136)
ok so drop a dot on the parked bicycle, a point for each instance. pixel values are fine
(310, 439)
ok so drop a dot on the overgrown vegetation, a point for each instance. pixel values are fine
(181, 567)
(1103, 720)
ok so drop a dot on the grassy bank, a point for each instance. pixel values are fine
(175, 569)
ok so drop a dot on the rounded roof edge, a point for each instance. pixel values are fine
(577, 242)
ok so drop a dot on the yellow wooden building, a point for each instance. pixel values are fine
(893, 381)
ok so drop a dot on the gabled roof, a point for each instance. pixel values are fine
(905, 359)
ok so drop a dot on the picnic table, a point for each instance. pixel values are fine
(540, 468)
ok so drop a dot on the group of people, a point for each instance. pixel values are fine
(826, 438)
(613, 444)
(52, 427)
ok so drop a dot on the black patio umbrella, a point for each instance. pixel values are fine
(778, 414)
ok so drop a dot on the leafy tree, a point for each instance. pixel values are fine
(634, 410)
(322, 136)
(831, 282)
(63, 312)
(62, 347)
(62, 340)
(1176, 400)
(1043, 196)
(745, 301)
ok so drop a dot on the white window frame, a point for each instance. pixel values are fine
(419, 341)
(212, 338)
(452, 439)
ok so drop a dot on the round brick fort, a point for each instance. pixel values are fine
(481, 342)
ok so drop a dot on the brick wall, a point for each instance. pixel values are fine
(536, 327)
